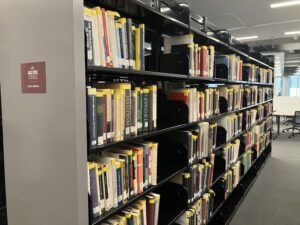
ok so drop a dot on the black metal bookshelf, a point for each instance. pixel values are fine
(161, 23)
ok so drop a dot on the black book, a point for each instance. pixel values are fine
(129, 42)
(145, 110)
(92, 120)
(88, 31)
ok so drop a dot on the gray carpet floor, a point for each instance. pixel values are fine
(274, 199)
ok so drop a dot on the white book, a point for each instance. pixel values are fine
(95, 38)
(101, 36)
(111, 15)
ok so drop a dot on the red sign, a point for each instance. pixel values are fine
(33, 77)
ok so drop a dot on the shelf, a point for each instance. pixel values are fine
(140, 136)
(109, 72)
(128, 73)
(177, 127)
(105, 215)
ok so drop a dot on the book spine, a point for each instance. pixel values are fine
(108, 116)
(88, 31)
(100, 117)
(118, 44)
(92, 117)
(145, 110)
(140, 167)
(137, 48)
(133, 113)
(133, 30)
(94, 190)
(105, 118)
(119, 185)
(146, 166)
(142, 46)
(113, 109)
(135, 173)
(127, 113)
(106, 39)
(129, 42)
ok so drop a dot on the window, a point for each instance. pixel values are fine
(294, 85)
(278, 86)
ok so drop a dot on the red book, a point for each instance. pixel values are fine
(204, 61)
(107, 48)
(140, 175)
(150, 208)
(201, 106)
(150, 162)
(196, 60)
(179, 96)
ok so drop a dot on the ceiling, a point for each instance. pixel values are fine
(249, 17)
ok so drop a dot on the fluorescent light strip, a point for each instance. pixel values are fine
(246, 38)
(293, 61)
(292, 32)
(285, 4)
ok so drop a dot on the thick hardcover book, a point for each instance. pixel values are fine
(106, 39)
(127, 90)
(88, 31)
(203, 61)
(150, 210)
(145, 110)
(142, 46)
(93, 188)
(134, 118)
(119, 183)
(129, 43)
(124, 45)
(92, 117)
(111, 16)
(140, 167)
(100, 115)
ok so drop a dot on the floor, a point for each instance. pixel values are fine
(274, 199)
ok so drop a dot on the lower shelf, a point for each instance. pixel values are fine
(225, 211)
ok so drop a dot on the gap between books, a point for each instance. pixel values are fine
(173, 128)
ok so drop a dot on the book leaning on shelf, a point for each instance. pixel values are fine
(230, 153)
(229, 66)
(119, 174)
(232, 124)
(144, 211)
(199, 141)
(231, 178)
(201, 58)
(233, 95)
(113, 41)
(198, 179)
(116, 111)
(200, 212)
(201, 104)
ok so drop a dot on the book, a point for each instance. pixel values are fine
(92, 117)
(93, 189)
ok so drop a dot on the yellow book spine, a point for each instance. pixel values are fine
(137, 48)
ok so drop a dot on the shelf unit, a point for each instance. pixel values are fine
(45, 142)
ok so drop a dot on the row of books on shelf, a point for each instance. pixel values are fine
(116, 111)
(197, 179)
(119, 174)
(204, 62)
(112, 40)
(200, 212)
(230, 153)
(144, 211)
(115, 41)
(254, 95)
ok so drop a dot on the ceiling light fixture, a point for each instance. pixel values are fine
(285, 4)
(293, 61)
(246, 38)
(292, 32)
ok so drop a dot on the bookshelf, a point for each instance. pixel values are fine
(57, 119)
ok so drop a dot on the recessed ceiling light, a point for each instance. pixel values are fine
(292, 32)
(285, 4)
(246, 38)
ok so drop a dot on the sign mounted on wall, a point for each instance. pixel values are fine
(33, 77)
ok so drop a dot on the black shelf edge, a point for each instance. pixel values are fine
(106, 215)
(128, 73)
(140, 136)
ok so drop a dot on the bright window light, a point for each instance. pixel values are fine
(246, 38)
(285, 4)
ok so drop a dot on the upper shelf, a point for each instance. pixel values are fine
(162, 21)
(129, 74)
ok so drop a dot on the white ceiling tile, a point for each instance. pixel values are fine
(257, 17)
(268, 32)
(290, 26)
(242, 32)
(206, 7)
(244, 5)
(287, 13)
(226, 21)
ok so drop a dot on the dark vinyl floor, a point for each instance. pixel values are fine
(274, 199)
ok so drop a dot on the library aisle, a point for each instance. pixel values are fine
(274, 198)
